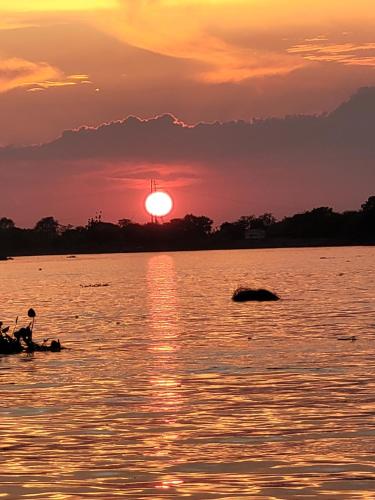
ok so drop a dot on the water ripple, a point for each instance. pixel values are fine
(170, 390)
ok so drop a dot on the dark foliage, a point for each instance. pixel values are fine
(320, 226)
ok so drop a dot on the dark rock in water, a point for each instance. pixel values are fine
(249, 294)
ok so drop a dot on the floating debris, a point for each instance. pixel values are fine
(352, 338)
(22, 339)
(243, 294)
(71, 257)
(95, 285)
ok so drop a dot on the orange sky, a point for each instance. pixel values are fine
(68, 63)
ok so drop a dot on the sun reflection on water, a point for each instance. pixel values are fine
(165, 381)
(163, 303)
(164, 329)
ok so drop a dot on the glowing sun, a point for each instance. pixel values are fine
(158, 204)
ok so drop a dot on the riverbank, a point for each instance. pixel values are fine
(267, 243)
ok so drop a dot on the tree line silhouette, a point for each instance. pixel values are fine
(320, 226)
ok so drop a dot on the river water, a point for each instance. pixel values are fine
(168, 389)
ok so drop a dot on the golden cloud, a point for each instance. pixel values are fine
(34, 76)
(55, 5)
(350, 54)
(187, 30)
(184, 29)
(18, 72)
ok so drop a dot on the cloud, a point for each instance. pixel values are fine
(19, 72)
(166, 140)
(222, 169)
(228, 62)
(56, 5)
(120, 175)
(213, 62)
(198, 29)
(33, 76)
(185, 30)
(349, 53)
(190, 30)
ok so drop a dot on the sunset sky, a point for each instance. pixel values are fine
(66, 64)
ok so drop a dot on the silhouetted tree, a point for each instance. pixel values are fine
(6, 224)
(230, 231)
(105, 235)
(189, 232)
(235, 230)
(368, 217)
(369, 206)
(239, 229)
(47, 225)
(320, 222)
(124, 223)
(264, 220)
(201, 226)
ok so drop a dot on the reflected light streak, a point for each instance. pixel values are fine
(165, 384)
(163, 307)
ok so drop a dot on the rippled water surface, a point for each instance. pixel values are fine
(168, 389)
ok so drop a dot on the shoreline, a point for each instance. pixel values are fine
(267, 244)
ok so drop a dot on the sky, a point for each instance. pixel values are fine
(98, 96)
